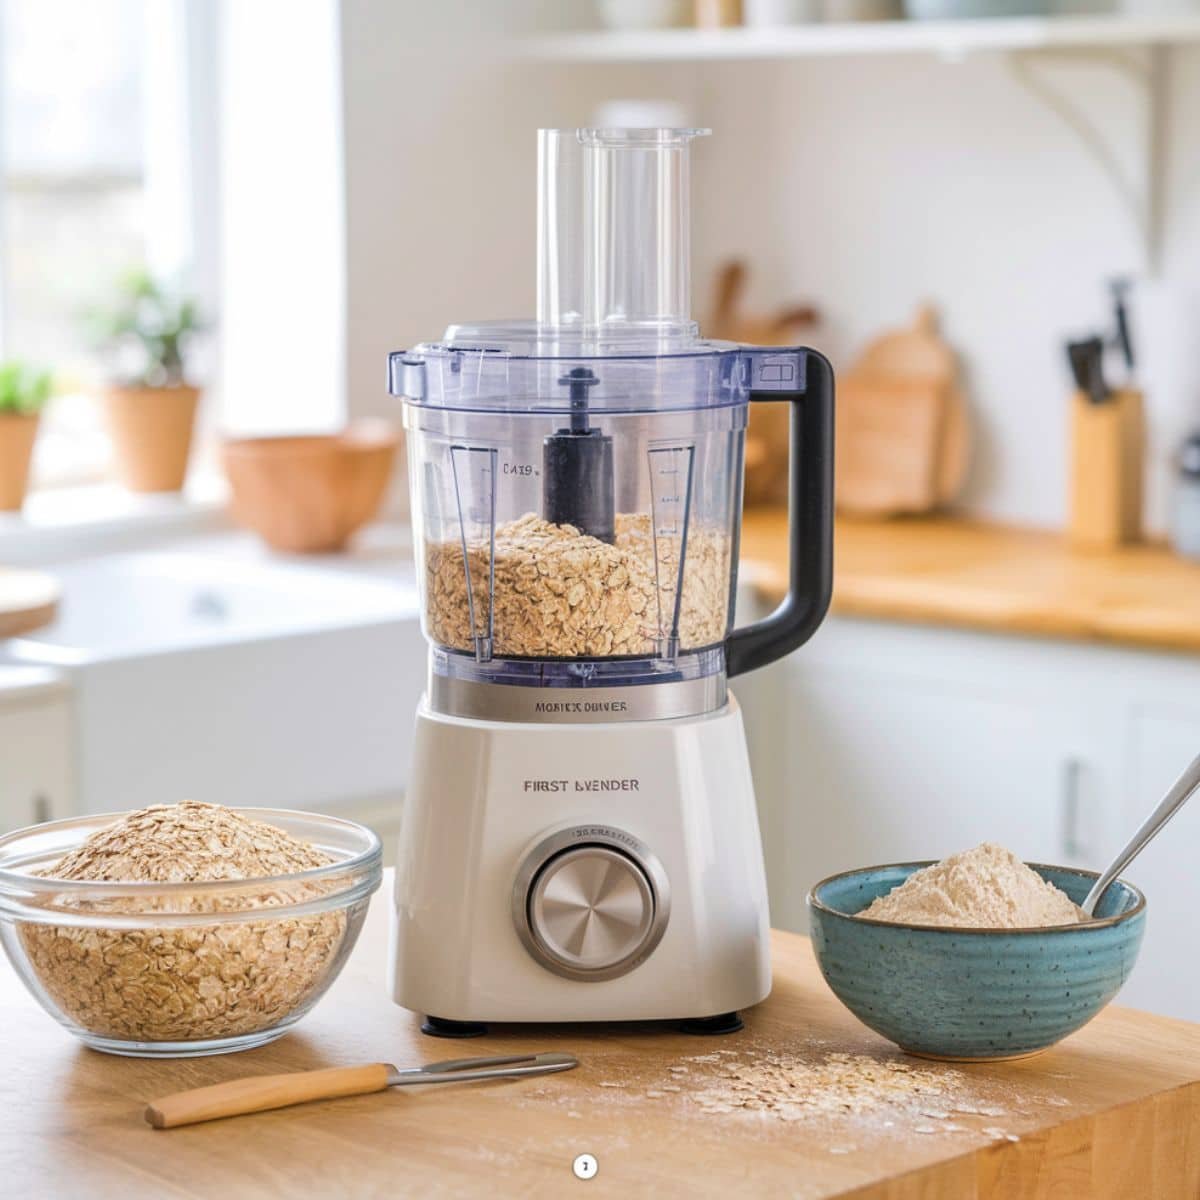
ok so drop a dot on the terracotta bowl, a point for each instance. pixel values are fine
(309, 495)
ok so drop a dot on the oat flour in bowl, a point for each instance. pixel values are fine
(984, 888)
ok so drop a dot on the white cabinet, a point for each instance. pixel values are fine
(35, 748)
(881, 742)
(941, 770)
(1162, 741)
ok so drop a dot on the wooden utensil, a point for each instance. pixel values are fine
(259, 1093)
(903, 437)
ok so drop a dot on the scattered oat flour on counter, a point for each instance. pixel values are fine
(985, 888)
(793, 1089)
(853, 1099)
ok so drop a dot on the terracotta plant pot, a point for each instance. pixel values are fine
(308, 495)
(18, 432)
(151, 429)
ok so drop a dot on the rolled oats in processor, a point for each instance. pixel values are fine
(562, 594)
(192, 982)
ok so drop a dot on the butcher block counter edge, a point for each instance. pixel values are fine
(971, 575)
(1110, 1114)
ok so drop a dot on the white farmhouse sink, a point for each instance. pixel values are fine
(235, 681)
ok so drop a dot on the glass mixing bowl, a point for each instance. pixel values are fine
(180, 969)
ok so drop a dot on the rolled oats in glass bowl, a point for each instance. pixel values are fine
(184, 929)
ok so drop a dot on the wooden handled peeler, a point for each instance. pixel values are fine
(261, 1092)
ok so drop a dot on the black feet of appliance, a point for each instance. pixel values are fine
(729, 1022)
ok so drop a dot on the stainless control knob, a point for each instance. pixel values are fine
(593, 909)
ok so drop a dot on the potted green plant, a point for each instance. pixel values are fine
(24, 391)
(151, 407)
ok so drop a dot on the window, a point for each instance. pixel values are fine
(113, 154)
(94, 166)
(73, 203)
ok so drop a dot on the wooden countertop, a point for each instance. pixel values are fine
(945, 571)
(1113, 1113)
(28, 600)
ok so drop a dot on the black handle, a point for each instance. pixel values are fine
(810, 516)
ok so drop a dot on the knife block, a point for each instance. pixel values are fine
(1107, 453)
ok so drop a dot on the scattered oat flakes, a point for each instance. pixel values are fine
(791, 1089)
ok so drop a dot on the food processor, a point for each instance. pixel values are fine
(579, 839)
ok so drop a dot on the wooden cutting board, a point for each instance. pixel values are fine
(903, 438)
(28, 601)
(1111, 1114)
(889, 432)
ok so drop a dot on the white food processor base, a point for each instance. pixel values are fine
(580, 872)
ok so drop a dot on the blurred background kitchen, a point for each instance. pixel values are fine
(217, 218)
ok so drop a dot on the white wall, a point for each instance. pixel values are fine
(862, 184)
(283, 267)
(895, 179)
(440, 173)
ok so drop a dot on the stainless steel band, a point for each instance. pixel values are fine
(575, 706)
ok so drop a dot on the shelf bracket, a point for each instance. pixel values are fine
(1139, 184)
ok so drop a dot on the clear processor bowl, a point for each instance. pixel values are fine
(504, 584)
(165, 970)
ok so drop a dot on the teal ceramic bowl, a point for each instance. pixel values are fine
(972, 994)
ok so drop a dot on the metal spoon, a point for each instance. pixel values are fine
(261, 1092)
(1174, 800)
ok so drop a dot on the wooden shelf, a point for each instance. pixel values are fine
(949, 39)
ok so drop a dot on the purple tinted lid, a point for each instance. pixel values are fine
(523, 367)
